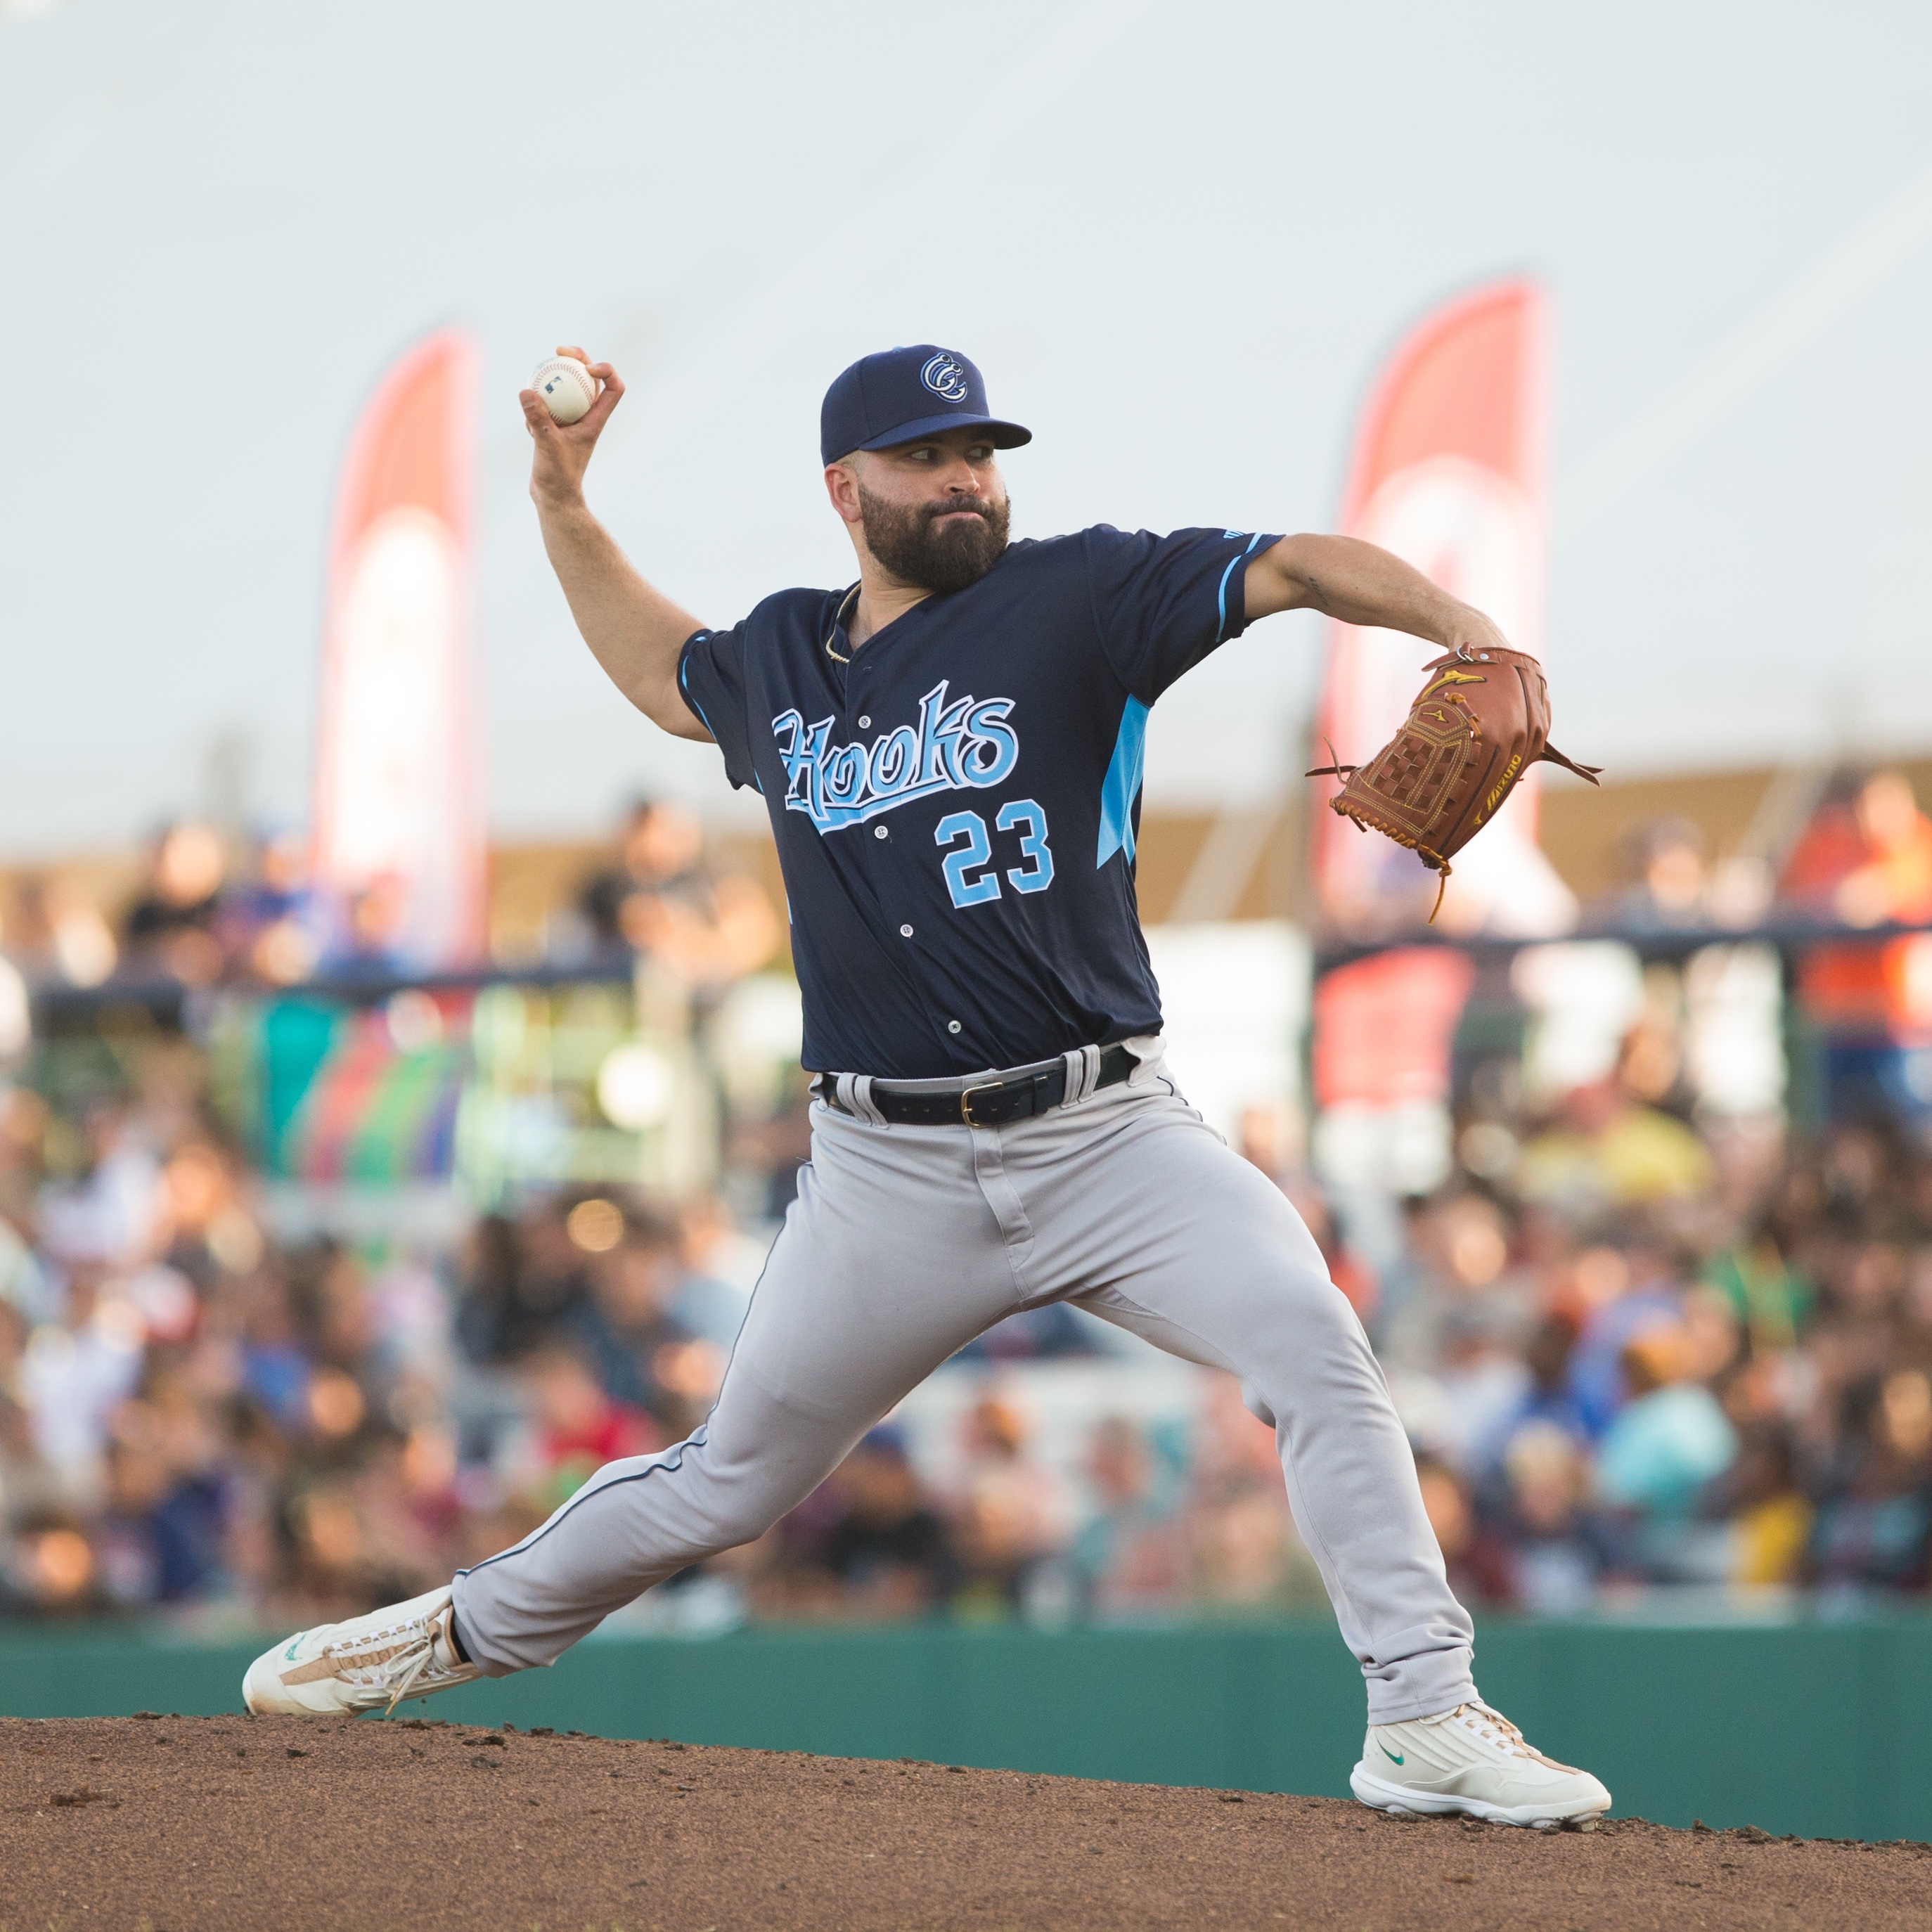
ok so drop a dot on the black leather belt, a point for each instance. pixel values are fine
(986, 1103)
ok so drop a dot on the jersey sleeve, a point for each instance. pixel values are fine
(1162, 604)
(711, 677)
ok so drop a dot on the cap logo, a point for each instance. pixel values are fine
(945, 378)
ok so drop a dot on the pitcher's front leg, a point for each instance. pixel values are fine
(637, 1522)
(889, 1260)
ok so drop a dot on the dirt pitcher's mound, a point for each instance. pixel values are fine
(177, 1824)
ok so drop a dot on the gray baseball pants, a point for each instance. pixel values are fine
(904, 1244)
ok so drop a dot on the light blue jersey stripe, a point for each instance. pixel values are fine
(1122, 785)
(684, 685)
(1221, 634)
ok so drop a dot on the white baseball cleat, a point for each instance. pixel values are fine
(366, 1664)
(1472, 1759)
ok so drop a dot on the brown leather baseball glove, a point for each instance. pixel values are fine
(1481, 720)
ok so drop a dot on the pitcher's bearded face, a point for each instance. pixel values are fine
(941, 546)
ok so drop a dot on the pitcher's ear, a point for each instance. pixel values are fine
(841, 485)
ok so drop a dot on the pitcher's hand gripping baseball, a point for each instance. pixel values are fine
(563, 450)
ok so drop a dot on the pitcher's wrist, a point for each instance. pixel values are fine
(560, 502)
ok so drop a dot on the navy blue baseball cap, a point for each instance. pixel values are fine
(900, 395)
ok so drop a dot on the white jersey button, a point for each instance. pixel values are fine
(864, 724)
(952, 1026)
(905, 932)
(879, 832)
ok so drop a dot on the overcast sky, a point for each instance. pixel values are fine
(1178, 239)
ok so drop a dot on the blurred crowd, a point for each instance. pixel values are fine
(1641, 1340)
(1632, 1355)
(195, 1417)
(1638, 1344)
(209, 907)
(1672, 1370)
(193, 1414)
(1857, 851)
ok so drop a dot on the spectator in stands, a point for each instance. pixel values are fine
(1476, 1565)
(57, 927)
(170, 927)
(29, 1486)
(202, 1225)
(1034, 1334)
(1772, 1516)
(1552, 1550)
(1635, 1289)
(270, 924)
(1345, 1269)
(719, 1267)
(274, 1365)
(490, 1315)
(788, 1569)
(1610, 1146)
(1455, 1262)
(1243, 1552)
(1827, 851)
(640, 1353)
(74, 1375)
(1894, 879)
(1669, 1440)
(107, 1213)
(889, 1548)
(1873, 1531)
(161, 1534)
(1768, 1294)
(1865, 857)
(658, 844)
(578, 1427)
(1131, 1553)
(526, 1279)
(368, 944)
(1669, 889)
(662, 898)
(1010, 1513)
(1547, 1399)
(49, 1568)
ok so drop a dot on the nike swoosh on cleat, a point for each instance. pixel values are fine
(1388, 1754)
(289, 1654)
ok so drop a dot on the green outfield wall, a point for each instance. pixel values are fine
(1818, 1729)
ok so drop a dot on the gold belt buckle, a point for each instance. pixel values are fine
(966, 1101)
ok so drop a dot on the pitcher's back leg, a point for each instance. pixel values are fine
(1187, 1244)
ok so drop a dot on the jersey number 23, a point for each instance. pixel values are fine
(972, 853)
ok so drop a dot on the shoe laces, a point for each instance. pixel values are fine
(419, 1658)
(404, 1666)
(1493, 1728)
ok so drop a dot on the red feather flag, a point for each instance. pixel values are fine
(1449, 473)
(399, 838)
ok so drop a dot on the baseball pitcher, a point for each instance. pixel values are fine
(950, 751)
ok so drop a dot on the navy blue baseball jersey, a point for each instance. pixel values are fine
(955, 807)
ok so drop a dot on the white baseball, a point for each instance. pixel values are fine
(567, 387)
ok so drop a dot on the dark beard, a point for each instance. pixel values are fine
(903, 538)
